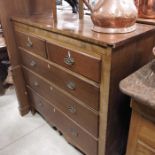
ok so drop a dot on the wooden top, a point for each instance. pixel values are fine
(69, 25)
(146, 21)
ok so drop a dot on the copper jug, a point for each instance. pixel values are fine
(146, 8)
(113, 16)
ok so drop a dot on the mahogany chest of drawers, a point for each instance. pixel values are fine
(71, 76)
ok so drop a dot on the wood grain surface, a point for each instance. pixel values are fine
(68, 24)
(73, 133)
(141, 136)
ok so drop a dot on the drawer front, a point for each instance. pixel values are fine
(31, 43)
(74, 134)
(81, 63)
(144, 150)
(87, 93)
(147, 133)
(84, 117)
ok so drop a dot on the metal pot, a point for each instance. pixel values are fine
(113, 16)
(146, 8)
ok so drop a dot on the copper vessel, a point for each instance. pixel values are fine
(146, 8)
(113, 16)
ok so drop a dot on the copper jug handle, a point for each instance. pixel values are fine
(88, 5)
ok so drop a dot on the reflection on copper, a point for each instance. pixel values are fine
(146, 8)
(115, 22)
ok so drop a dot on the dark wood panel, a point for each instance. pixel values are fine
(74, 134)
(84, 117)
(38, 7)
(31, 43)
(8, 9)
(125, 60)
(87, 93)
(78, 62)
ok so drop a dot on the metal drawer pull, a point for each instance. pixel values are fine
(71, 85)
(71, 109)
(29, 42)
(33, 63)
(74, 132)
(68, 60)
(36, 84)
(40, 104)
(51, 88)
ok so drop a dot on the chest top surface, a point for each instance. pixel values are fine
(69, 25)
(146, 21)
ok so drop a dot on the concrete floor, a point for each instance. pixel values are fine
(28, 135)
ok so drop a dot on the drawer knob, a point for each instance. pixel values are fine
(33, 64)
(51, 88)
(71, 85)
(68, 60)
(29, 42)
(71, 109)
(36, 84)
(40, 104)
(74, 132)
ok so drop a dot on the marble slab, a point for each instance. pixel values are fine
(141, 85)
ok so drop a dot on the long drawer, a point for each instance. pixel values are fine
(74, 134)
(31, 43)
(84, 91)
(79, 62)
(84, 117)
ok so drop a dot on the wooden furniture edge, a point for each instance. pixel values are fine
(104, 100)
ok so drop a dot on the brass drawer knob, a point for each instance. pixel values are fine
(29, 42)
(71, 85)
(71, 109)
(51, 88)
(36, 84)
(54, 110)
(33, 63)
(74, 132)
(69, 60)
(40, 104)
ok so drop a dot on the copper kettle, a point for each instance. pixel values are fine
(146, 8)
(113, 16)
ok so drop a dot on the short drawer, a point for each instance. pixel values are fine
(83, 91)
(31, 43)
(78, 62)
(84, 117)
(74, 134)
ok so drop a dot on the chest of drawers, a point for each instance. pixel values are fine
(71, 76)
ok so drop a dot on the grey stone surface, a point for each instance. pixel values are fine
(141, 85)
(28, 135)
